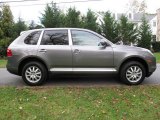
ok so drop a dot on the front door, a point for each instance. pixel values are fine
(87, 52)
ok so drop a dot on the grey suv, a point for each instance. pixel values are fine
(36, 53)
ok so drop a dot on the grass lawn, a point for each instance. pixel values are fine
(3, 63)
(157, 55)
(113, 103)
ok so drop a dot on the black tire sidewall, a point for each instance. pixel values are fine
(41, 67)
(124, 69)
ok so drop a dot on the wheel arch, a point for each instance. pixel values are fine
(29, 59)
(135, 58)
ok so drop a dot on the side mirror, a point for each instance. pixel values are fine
(103, 44)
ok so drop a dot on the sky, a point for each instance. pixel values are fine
(29, 13)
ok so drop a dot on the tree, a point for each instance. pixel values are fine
(145, 34)
(109, 27)
(72, 18)
(52, 16)
(1, 32)
(38, 26)
(127, 31)
(90, 21)
(7, 21)
(133, 6)
(6, 29)
(32, 25)
(143, 7)
(19, 27)
(136, 6)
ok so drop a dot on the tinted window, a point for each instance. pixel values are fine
(85, 38)
(32, 38)
(55, 37)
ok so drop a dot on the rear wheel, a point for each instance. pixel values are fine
(34, 73)
(132, 73)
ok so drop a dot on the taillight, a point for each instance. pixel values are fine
(9, 52)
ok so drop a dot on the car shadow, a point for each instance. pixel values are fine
(82, 80)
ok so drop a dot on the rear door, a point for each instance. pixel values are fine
(55, 50)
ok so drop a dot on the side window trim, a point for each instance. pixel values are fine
(40, 38)
(70, 37)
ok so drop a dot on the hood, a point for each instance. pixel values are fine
(129, 48)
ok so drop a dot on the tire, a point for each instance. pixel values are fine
(132, 73)
(34, 73)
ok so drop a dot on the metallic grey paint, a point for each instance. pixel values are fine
(77, 58)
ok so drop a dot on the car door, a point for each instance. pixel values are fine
(87, 51)
(55, 50)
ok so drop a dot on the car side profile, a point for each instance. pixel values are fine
(36, 53)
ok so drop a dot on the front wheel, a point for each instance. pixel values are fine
(132, 73)
(34, 73)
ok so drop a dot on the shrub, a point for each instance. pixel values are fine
(3, 46)
(2, 52)
(156, 46)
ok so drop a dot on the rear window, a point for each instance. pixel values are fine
(32, 38)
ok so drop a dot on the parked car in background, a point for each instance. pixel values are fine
(36, 53)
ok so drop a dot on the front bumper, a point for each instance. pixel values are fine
(151, 65)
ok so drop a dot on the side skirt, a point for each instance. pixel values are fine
(83, 70)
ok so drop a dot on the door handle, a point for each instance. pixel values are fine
(76, 51)
(43, 50)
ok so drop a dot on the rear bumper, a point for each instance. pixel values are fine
(12, 70)
(12, 66)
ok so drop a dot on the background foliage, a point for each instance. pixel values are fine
(156, 46)
(121, 31)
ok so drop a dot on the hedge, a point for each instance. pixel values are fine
(156, 46)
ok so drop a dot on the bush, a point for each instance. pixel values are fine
(3, 46)
(156, 46)
(3, 52)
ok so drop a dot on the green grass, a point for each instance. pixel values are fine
(157, 55)
(3, 63)
(113, 103)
